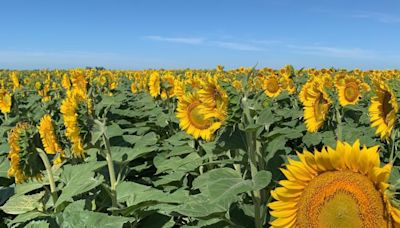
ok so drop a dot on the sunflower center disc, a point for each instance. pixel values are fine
(272, 86)
(320, 107)
(351, 92)
(386, 106)
(197, 117)
(340, 199)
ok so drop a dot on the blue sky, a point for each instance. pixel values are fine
(199, 33)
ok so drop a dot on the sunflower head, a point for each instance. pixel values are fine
(167, 86)
(212, 94)
(195, 117)
(349, 89)
(316, 102)
(76, 115)
(179, 88)
(383, 109)
(342, 187)
(154, 84)
(272, 86)
(5, 101)
(48, 135)
(25, 161)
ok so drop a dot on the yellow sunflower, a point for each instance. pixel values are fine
(66, 83)
(349, 90)
(134, 88)
(179, 88)
(5, 101)
(23, 153)
(193, 117)
(342, 187)
(154, 84)
(69, 108)
(316, 104)
(168, 86)
(383, 110)
(212, 93)
(48, 135)
(272, 86)
(15, 81)
(14, 155)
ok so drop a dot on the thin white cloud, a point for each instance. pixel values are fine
(378, 16)
(353, 53)
(183, 40)
(237, 46)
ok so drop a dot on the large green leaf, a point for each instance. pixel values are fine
(72, 219)
(23, 203)
(79, 179)
(37, 224)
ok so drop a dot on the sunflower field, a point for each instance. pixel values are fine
(199, 148)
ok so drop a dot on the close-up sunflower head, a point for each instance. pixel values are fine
(342, 187)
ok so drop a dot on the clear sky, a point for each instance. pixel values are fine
(141, 34)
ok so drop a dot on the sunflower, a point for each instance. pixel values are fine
(212, 93)
(179, 88)
(154, 84)
(5, 101)
(15, 80)
(383, 110)
(25, 163)
(69, 108)
(272, 86)
(167, 86)
(193, 118)
(48, 135)
(342, 187)
(316, 104)
(66, 83)
(237, 85)
(134, 88)
(349, 90)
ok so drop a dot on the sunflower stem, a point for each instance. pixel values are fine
(47, 165)
(256, 195)
(393, 146)
(339, 124)
(111, 171)
(253, 149)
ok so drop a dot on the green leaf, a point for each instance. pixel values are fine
(261, 180)
(23, 188)
(312, 139)
(72, 219)
(224, 185)
(113, 130)
(177, 164)
(79, 179)
(37, 224)
(265, 117)
(22, 203)
(27, 217)
(200, 206)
